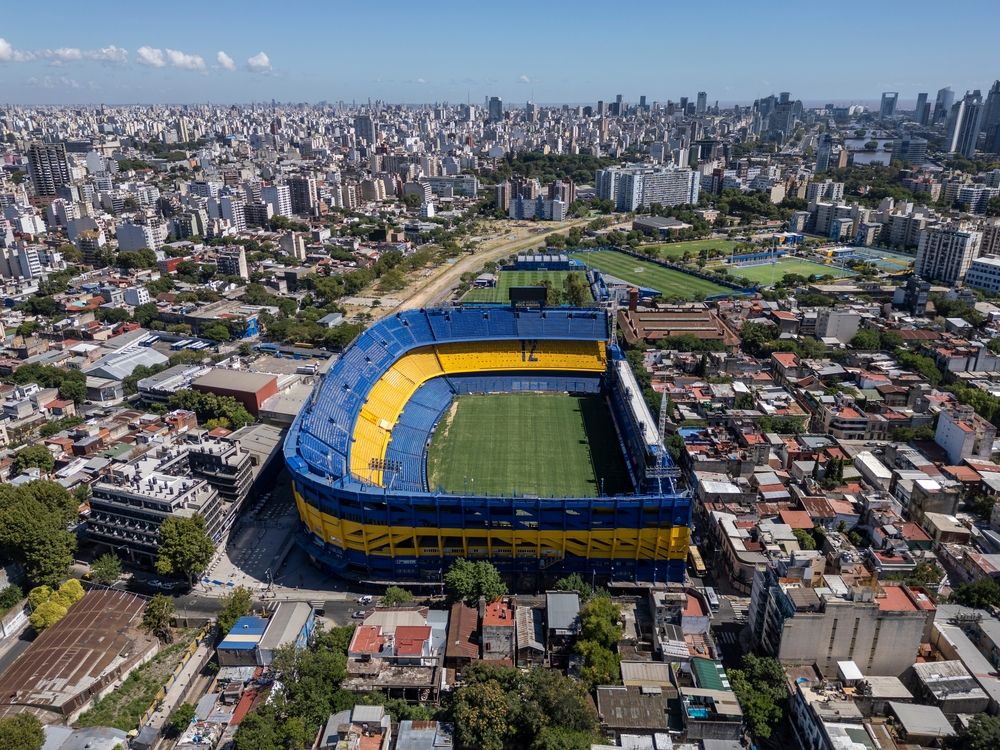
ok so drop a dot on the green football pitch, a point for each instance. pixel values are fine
(668, 282)
(765, 273)
(676, 250)
(507, 279)
(543, 444)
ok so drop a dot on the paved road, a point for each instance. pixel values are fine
(439, 286)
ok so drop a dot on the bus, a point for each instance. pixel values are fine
(695, 561)
(713, 598)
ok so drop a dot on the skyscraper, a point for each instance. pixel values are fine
(365, 129)
(495, 107)
(619, 106)
(964, 124)
(702, 104)
(888, 108)
(991, 111)
(942, 104)
(921, 113)
(48, 167)
(823, 150)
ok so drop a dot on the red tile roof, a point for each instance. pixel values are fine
(410, 639)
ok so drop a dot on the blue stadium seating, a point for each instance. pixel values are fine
(408, 445)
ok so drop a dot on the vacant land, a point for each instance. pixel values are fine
(507, 279)
(544, 444)
(668, 282)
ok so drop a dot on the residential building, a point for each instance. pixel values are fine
(150, 235)
(279, 198)
(887, 109)
(232, 261)
(984, 272)
(638, 186)
(494, 108)
(945, 253)
(48, 167)
(963, 434)
(964, 123)
(878, 628)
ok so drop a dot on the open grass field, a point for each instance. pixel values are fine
(764, 274)
(668, 282)
(544, 444)
(507, 279)
(674, 250)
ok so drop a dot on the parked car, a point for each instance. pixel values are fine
(359, 614)
(365, 599)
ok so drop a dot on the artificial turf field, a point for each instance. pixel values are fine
(763, 274)
(507, 279)
(544, 444)
(668, 282)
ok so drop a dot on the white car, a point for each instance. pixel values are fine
(365, 599)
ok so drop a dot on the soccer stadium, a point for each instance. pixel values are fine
(514, 434)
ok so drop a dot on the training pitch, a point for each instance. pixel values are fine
(542, 444)
(668, 282)
(676, 250)
(767, 274)
(507, 279)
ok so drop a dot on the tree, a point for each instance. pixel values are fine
(395, 596)
(106, 569)
(259, 730)
(981, 594)
(804, 538)
(482, 716)
(21, 732)
(185, 547)
(866, 340)
(600, 621)
(35, 456)
(72, 589)
(762, 691)
(983, 732)
(180, 719)
(235, 604)
(156, 618)
(601, 665)
(47, 614)
(575, 582)
(9, 596)
(468, 581)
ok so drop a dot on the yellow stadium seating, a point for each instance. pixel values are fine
(390, 394)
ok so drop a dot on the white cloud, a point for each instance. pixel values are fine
(225, 60)
(50, 82)
(151, 56)
(65, 53)
(523, 78)
(421, 80)
(185, 61)
(110, 54)
(259, 63)
(9, 54)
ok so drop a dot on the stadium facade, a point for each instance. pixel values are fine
(357, 454)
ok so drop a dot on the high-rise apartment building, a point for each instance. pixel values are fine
(888, 107)
(944, 253)
(232, 261)
(279, 197)
(823, 151)
(637, 185)
(303, 195)
(702, 105)
(964, 123)
(991, 118)
(495, 109)
(48, 167)
(365, 129)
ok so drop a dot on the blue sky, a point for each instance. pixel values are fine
(227, 51)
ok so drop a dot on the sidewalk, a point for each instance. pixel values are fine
(176, 692)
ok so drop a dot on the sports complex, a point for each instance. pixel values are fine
(516, 434)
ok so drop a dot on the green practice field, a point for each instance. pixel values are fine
(675, 250)
(544, 444)
(667, 281)
(507, 279)
(765, 273)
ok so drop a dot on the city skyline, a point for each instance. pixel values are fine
(310, 54)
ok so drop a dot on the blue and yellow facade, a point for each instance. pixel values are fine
(357, 526)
